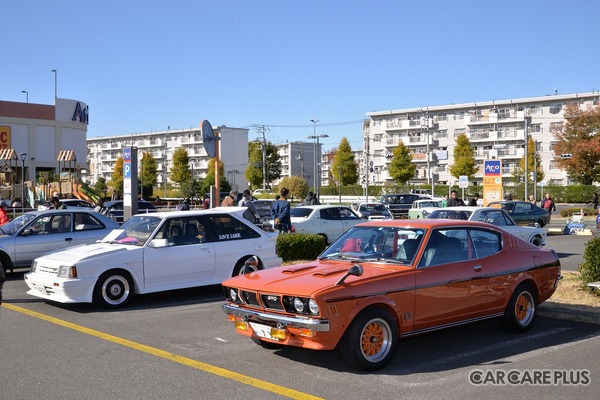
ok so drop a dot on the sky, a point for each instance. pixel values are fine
(145, 66)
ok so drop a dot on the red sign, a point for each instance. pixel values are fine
(4, 137)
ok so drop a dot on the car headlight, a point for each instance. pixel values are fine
(67, 271)
(233, 295)
(313, 307)
(425, 213)
(298, 305)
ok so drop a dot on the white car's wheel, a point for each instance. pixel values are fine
(113, 289)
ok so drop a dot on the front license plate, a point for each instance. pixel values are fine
(41, 288)
(261, 330)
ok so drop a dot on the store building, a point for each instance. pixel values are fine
(38, 141)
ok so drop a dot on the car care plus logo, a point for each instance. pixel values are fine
(492, 167)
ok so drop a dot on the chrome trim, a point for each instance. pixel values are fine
(453, 324)
(315, 325)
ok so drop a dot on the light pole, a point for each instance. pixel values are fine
(26, 95)
(314, 136)
(55, 83)
(23, 158)
(340, 182)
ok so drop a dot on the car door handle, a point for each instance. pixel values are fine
(68, 239)
(477, 268)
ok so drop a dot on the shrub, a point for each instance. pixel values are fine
(568, 212)
(590, 268)
(299, 246)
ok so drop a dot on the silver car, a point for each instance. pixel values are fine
(38, 232)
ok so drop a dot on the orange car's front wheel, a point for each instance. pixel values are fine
(370, 342)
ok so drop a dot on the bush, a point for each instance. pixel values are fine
(299, 246)
(590, 268)
(568, 212)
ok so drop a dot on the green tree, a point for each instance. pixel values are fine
(147, 174)
(117, 176)
(297, 186)
(101, 186)
(344, 168)
(224, 185)
(254, 171)
(464, 159)
(180, 167)
(191, 188)
(402, 169)
(534, 161)
(580, 137)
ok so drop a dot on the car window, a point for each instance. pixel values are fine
(494, 217)
(87, 222)
(224, 227)
(330, 214)
(300, 212)
(50, 224)
(346, 214)
(446, 246)
(135, 231)
(485, 242)
(183, 231)
(522, 208)
(450, 214)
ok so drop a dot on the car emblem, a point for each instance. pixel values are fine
(272, 298)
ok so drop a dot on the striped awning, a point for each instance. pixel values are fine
(8, 154)
(66, 155)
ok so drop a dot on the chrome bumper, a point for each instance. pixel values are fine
(315, 325)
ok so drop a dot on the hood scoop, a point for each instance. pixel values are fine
(330, 272)
(293, 270)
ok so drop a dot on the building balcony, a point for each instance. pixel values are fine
(512, 134)
(483, 136)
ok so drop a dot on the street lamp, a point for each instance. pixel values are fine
(340, 182)
(55, 83)
(26, 95)
(314, 136)
(23, 158)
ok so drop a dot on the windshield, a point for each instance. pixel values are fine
(13, 226)
(397, 245)
(300, 212)
(135, 231)
(373, 207)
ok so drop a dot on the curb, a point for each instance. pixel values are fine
(570, 312)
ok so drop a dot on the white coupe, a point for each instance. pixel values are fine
(153, 253)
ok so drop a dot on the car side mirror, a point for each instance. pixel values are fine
(157, 243)
(355, 270)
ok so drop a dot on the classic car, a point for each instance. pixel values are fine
(38, 232)
(494, 216)
(399, 203)
(263, 207)
(422, 208)
(523, 212)
(327, 221)
(151, 253)
(385, 280)
(372, 211)
(114, 209)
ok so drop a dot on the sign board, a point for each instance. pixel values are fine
(463, 181)
(492, 181)
(130, 182)
(6, 169)
(4, 137)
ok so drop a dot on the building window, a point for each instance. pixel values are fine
(535, 128)
(459, 116)
(442, 133)
(535, 110)
(459, 131)
(442, 117)
(553, 165)
(555, 108)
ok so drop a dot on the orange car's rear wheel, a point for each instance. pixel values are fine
(521, 311)
(370, 342)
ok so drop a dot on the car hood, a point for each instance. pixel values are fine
(77, 253)
(308, 278)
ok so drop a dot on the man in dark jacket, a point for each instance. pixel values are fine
(310, 200)
(280, 211)
(454, 201)
(473, 201)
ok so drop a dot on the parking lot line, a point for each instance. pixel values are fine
(222, 372)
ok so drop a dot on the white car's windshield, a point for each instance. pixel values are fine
(13, 226)
(135, 231)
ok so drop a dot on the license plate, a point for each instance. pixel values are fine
(263, 331)
(41, 288)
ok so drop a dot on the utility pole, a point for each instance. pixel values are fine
(262, 129)
(526, 177)
(366, 147)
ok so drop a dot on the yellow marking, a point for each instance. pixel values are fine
(222, 372)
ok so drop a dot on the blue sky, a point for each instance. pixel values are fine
(145, 66)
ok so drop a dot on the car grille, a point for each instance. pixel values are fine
(249, 298)
(42, 269)
(271, 301)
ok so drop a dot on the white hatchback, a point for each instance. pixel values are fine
(327, 221)
(152, 253)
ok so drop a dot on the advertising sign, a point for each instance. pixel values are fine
(4, 137)
(492, 181)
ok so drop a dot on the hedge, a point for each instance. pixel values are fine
(299, 246)
(590, 268)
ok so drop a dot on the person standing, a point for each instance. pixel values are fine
(281, 212)
(3, 215)
(454, 200)
(99, 205)
(532, 199)
(251, 214)
(310, 200)
(473, 201)
(595, 202)
(548, 204)
(56, 204)
(229, 200)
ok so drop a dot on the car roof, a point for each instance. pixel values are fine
(186, 213)
(64, 211)
(322, 206)
(470, 208)
(426, 223)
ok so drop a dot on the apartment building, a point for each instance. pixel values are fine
(103, 152)
(299, 159)
(496, 129)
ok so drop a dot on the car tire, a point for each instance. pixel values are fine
(536, 241)
(521, 312)
(539, 223)
(239, 267)
(113, 289)
(370, 342)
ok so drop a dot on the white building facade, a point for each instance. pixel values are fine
(496, 129)
(299, 159)
(103, 152)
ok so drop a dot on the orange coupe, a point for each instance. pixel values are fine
(389, 279)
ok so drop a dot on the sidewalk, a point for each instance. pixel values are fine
(570, 312)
